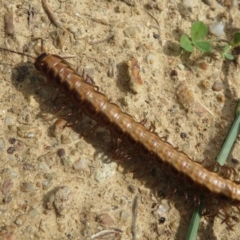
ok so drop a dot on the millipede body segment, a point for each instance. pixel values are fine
(121, 125)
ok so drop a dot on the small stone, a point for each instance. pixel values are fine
(135, 80)
(28, 167)
(217, 28)
(131, 31)
(62, 200)
(7, 186)
(43, 167)
(181, 66)
(61, 152)
(28, 132)
(10, 150)
(124, 215)
(221, 98)
(132, 188)
(205, 84)
(217, 86)
(106, 220)
(27, 187)
(151, 59)
(33, 213)
(81, 165)
(46, 184)
(163, 208)
(10, 121)
(21, 219)
(59, 126)
(107, 171)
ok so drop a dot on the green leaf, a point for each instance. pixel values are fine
(186, 43)
(229, 56)
(236, 38)
(203, 46)
(198, 31)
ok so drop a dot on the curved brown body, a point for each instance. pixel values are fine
(96, 105)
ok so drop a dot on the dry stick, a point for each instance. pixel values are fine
(8, 21)
(158, 28)
(134, 218)
(103, 40)
(50, 15)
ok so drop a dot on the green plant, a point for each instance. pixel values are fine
(198, 33)
(236, 41)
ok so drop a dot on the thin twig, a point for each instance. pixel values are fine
(158, 28)
(103, 40)
(50, 15)
(134, 218)
(104, 233)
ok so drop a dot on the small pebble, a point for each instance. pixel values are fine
(12, 140)
(10, 150)
(27, 187)
(43, 167)
(205, 84)
(221, 98)
(162, 209)
(106, 220)
(46, 184)
(181, 66)
(107, 171)
(21, 219)
(28, 132)
(9, 121)
(217, 28)
(61, 152)
(131, 31)
(81, 165)
(33, 213)
(59, 126)
(183, 135)
(124, 215)
(151, 59)
(202, 65)
(7, 186)
(28, 167)
(10, 173)
(135, 80)
(62, 200)
(217, 86)
(132, 188)
(162, 220)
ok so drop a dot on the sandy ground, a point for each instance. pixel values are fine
(54, 184)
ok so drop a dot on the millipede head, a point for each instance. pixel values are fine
(39, 61)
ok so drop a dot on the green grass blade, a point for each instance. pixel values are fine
(221, 158)
(194, 224)
(229, 141)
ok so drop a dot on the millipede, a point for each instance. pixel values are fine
(214, 183)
